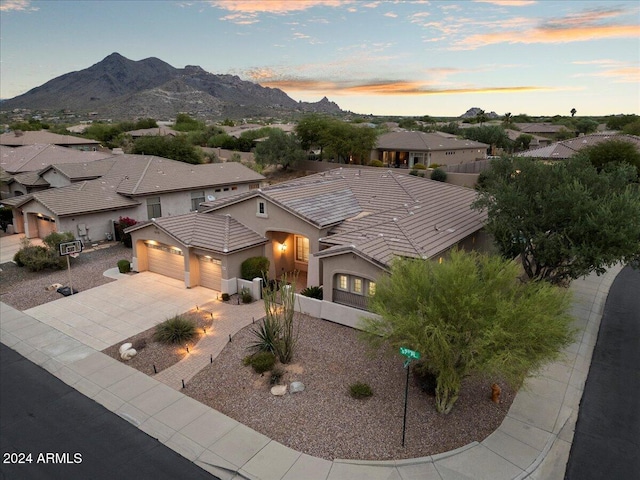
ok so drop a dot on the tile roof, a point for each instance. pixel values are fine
(135, 175)
(145, 175)
(567, 148)
(31, 179)
(33, 158)
(421, 141)
(219, 233)
(153, 132)
(83, 197)
(82, 171)
(376, 212)
(43, 137)
(540, 127)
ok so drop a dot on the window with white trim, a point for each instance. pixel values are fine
(154, 209)
(302, 249)
(196, 199)
(343, 282)
(262, 209)
(356, 285)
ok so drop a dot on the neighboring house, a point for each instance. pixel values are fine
(90, 198)
(20, 165)
(536, 142)
(406, 149)
(567, 148)
(238, 130)
(153, 132)
(340, 229)
(544, 129)
(19, 138)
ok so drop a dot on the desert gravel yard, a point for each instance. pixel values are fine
(23, 289)
(324, 420)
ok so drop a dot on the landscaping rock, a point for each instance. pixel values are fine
(124, 347)
(279, 390)
(296, 387)
(128, 354)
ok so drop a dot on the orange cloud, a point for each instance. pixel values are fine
(550, 35)
(17, 6)
(391, 88)
(508, 3)
(274, 6)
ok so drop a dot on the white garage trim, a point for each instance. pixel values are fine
(166, 260)
(210, 272)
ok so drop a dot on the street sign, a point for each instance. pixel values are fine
(409, 353)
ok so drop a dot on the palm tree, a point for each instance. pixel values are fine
(573, 112)
(481, 117)
(506, 121)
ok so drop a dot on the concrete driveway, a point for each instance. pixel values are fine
(10, 244)
(110, 313)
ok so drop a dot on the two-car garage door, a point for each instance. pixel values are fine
(166, 260)
(169, 261)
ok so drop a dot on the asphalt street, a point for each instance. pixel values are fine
(606, 443)
(50, 431)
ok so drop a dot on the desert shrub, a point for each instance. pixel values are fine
(124, 266)
(419, 166)
(37, 258)
(267, 336)
(414, 173)
(439, 175)
(276, 375)
(245, 295)
(54, 239)
(376, 163)
(360, 390)
(313, 292)
(246, 361)
(263, 362)
(175, 330)
(434, 165)
(254, 267)
(225, 297)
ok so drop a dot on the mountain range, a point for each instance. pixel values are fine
(120, 88)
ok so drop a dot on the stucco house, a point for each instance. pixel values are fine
(339, 229)
(21, 166)
(90, 197)
(19, 138)
(567, 148)
(406, 149)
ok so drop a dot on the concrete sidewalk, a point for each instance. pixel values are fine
(533, 441)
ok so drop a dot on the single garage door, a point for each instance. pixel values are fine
(166, 260)
(46, 226)
(210, 273)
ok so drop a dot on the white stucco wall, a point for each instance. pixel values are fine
(96, 224)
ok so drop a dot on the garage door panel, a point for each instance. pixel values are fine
(166, 263)
(210, 273)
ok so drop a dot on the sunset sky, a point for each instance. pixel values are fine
(413, 57)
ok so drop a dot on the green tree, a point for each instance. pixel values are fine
(279, 149)
(490, 134)
(632, 128)
(184, 123)
(522, 142)
(586, 126)
(611, 152)
(564, 220)
(469, 315)
(176, 148)
(618, 122)
(312, 131)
